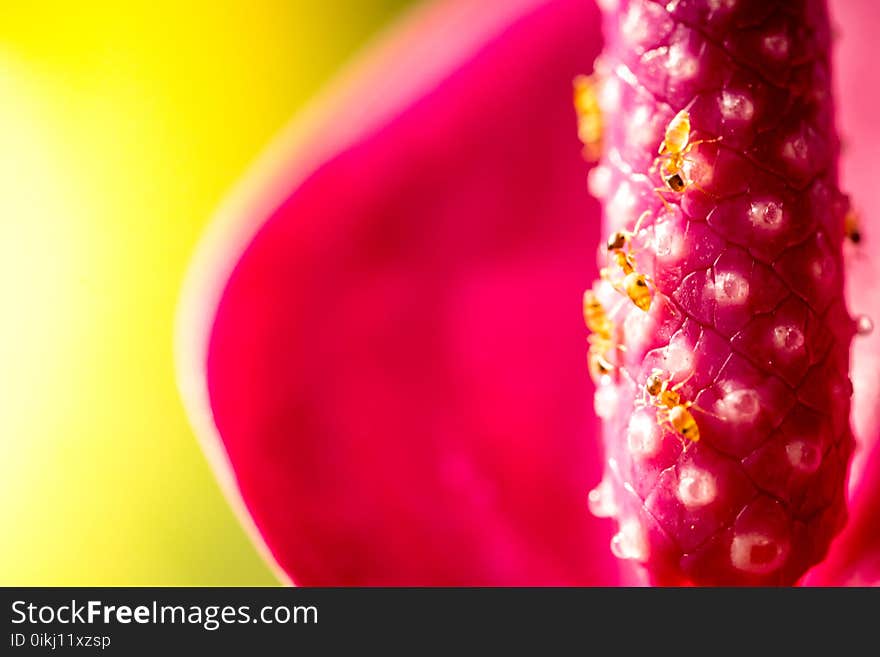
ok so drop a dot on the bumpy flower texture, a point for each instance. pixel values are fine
(727, 408)
(380, 342)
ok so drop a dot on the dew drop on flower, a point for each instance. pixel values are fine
(864, 325)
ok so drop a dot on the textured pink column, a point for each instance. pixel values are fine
(748, 305)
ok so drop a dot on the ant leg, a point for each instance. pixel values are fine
(693, 144)
(639, 222)
(657, 292)
(639, 401)
(657, 161)
(603, 362)
(630, 250)
(684, 380)
(664, 422)
(616, 309)
(660, 191)
(705, 191)
(704, 411)
(605, 276)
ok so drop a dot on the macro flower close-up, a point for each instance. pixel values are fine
(381, 340)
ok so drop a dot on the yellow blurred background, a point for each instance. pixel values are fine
(122, 126)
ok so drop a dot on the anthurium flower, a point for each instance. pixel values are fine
(380, 343)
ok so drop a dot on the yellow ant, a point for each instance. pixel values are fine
(597, 358)
(672, 156)
(595, 317)
(671, 411)
(601, 337)
(635, 285)
(851, 228)
(589, 115)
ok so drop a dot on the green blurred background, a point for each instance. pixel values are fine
(122, 126)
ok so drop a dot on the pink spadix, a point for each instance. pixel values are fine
(741, 250)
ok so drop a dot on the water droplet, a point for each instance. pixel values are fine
(696, 487)
(864, 325)
(757, 553)
(630, 542)
(736, 106)
(739, 404)
(643, 437)
(601, 500)
(788, 338)
(766, 214)
(803, 456)
(730, 288)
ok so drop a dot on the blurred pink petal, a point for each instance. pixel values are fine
(397, 363)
